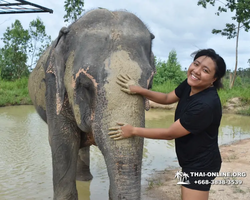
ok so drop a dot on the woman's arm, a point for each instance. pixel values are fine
(129, 86)
(122, 131)
(158, 97)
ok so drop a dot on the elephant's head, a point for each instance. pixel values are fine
(96, 49)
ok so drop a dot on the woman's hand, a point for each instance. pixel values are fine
(127, 83)
(121, 132)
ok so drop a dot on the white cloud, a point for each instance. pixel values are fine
(179, 25)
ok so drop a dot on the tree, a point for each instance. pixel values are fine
(241, 9)
(169, 71)
(1, 60)
(13, 54)
(39, 40)
(74, 9)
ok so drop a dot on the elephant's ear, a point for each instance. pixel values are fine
(56, 66)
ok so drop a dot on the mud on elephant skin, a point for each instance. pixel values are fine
(74, 90)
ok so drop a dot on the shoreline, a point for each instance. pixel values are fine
(235, 160)
(233, 106)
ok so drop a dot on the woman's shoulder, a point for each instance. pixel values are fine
(182, 88)
(208, 98)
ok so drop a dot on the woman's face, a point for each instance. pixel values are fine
(201, 73)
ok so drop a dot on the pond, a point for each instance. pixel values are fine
(25, 157)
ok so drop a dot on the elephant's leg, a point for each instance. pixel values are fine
(64, 141)
(83, 171)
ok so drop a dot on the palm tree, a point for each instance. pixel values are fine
(178, 175)
(185, 176)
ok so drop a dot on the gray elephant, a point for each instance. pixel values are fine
(74, 90)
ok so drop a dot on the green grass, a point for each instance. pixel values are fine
(242, 92)
(165, 88)
(14, 92)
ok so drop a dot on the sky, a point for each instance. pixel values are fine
(177, 25)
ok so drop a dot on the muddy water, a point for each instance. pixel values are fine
(25, 157)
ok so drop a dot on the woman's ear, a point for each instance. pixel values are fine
(214, 80)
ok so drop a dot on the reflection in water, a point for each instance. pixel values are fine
(233, 128)
(25, 158)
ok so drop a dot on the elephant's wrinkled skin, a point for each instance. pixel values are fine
(74, 90)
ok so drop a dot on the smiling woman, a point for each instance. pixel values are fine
(197, 119)
(209, 67)
(201, 74)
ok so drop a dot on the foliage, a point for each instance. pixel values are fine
(166, 87)
(242, 78)
(238, 91)
(74, 9)
(14, 92)
(39, 40)
(241, 10)
(21, 45)
(169, 71)
(1, 60)
(241, 88)
(13, 54)
(244, 74)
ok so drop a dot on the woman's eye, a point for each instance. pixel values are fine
(205, 70)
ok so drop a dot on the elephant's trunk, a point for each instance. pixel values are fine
(124, 157)
(125, 175)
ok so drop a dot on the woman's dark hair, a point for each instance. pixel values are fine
(220, 65)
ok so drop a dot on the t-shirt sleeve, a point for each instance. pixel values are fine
(197, 118)
(179, 90)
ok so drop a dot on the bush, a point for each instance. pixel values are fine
(14, 92)
(169, 71)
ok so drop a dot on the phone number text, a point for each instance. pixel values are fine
(219, 182)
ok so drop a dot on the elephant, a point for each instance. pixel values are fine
(73, 88)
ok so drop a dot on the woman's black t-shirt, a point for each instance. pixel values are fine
(200, 114)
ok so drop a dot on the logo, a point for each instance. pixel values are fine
(183, 178)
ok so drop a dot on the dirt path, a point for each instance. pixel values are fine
(236, 159)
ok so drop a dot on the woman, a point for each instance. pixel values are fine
(197, 120)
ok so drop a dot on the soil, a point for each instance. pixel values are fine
(235, 159)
